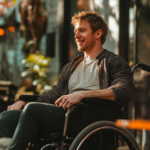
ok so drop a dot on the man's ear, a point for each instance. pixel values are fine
(99, 33)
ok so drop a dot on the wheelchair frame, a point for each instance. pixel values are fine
(100, 125)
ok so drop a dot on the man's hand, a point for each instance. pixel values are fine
(66, 101)
(17, 105)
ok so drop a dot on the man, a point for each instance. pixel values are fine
(95, 73)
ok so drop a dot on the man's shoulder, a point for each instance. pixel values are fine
(112, 57)
(106, 54)
(74, 62)
(110, 54)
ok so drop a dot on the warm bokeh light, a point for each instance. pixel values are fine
(2, 32)
(8, 3)
(11, 29)
(134, 124)
(1, 9)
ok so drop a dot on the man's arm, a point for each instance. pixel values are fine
(121, 80)
(52, 95)
(120, 90)
(17, 105)
(66, 101)
(103, 94)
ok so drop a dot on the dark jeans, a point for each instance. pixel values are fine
(24, 126)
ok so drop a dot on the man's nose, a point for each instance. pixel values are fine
(77, 35)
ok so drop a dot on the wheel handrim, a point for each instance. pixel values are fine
(124, 134)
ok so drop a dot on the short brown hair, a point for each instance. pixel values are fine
(95, 20)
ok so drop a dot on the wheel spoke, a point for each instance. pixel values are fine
(95, 141)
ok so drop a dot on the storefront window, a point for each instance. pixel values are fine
(143, 43)
(132, 30)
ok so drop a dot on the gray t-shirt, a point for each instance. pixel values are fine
(85, 77)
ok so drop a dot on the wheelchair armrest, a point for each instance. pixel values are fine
(77, 109)
(30, 98)
(98, 101)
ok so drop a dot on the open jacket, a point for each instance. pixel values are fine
(114, 73)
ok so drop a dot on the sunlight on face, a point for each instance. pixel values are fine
(83, 36)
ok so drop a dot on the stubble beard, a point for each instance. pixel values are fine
(87, 46)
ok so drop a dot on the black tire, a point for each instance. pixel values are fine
(103, 125)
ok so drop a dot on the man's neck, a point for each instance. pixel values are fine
(95, 51)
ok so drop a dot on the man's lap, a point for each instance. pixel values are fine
(50, 117)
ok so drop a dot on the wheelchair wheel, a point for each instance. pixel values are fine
(125, 139)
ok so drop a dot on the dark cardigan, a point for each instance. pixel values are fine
(114, 73)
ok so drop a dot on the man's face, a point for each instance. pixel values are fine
(83, 36)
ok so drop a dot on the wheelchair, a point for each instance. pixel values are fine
(89, 126)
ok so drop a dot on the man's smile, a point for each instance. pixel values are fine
(79, 41)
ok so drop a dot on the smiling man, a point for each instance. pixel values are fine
(99, 73)
(96, 73)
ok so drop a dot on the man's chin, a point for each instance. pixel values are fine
(81, 50)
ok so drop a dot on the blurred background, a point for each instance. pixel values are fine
(37, 40)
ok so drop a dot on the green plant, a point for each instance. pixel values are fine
(37, 66)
